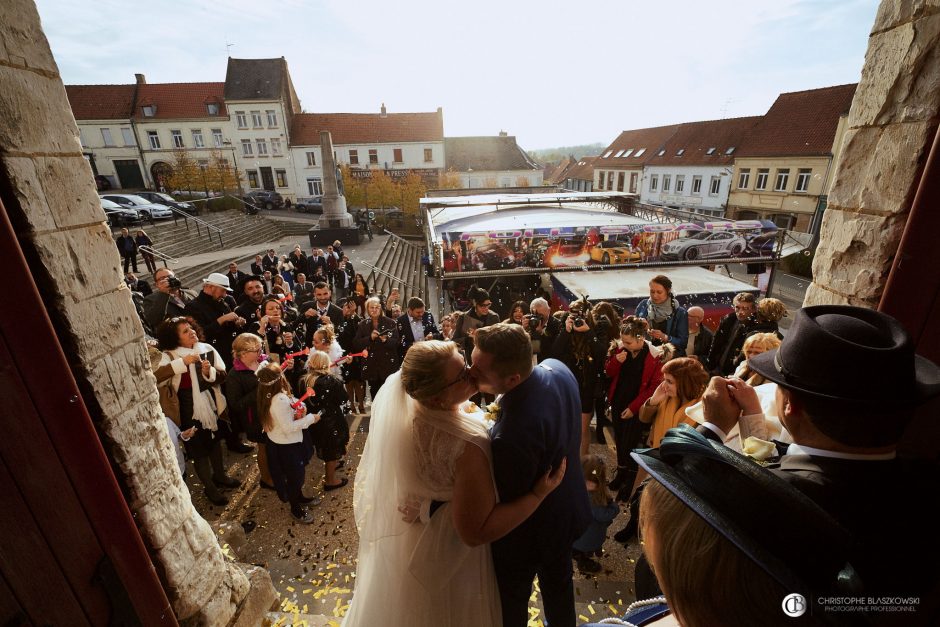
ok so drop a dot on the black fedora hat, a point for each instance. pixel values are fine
(776, 526)
(850, 354)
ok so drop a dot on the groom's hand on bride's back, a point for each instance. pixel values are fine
(550, 480)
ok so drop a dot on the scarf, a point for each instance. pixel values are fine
(658, 313)
(205, 404)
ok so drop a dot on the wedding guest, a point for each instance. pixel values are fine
(684, 381)
(142, 239)
(241, 393)
(603, 511)
(331, 433)
(668, 319)
(730, 335)
(379, 335)
(700, 336)
(755, 345)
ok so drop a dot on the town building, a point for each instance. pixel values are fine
(693, 169)
(782, 171)
(398, 143)
(620, 166)
(556, 174)
(486, 162)
(580, 177)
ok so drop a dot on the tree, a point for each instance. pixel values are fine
(185, 173)
(354, 188)
(449, 180)
(380, 190)
(413, 190)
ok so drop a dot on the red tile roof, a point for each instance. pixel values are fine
(695, 139)
(583, 170)
(367, 128)
(101, 102)
(558, 173)
(646, 141)
(180, 100)
(800, 123)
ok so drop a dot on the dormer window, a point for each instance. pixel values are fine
(710, 151)
(730, 150)
(680, 152)
(661, 152)
(639, 152)
(628, 153)
(607, 154)
(212, 108)
(149, 110)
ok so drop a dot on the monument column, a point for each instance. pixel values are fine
(336, 223)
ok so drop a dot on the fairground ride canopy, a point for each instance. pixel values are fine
(525, 233)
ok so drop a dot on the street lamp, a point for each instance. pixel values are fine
(238, 180)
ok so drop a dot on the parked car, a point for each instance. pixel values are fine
(612, 251)
(148, 210)
(119, 215)
(159, 198)
(265, 198)
(313, 204)
(762, 245)
(704, 245)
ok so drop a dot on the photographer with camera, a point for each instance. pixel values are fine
(582, 346)
(168, 301)
(543, 328)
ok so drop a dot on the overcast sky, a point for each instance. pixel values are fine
(551, 73)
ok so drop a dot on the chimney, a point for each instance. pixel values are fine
(141, 79)
(384, 114)
(503, 134)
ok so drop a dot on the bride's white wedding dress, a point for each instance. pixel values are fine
(420, 573)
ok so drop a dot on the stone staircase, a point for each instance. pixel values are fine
(399, 265)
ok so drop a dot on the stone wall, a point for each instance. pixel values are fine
(56, 213)
(891, 127)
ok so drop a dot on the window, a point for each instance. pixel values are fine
(241, 119)
(600, 180)
(680, 183)
(311, 158)
(428, 155)
(198, 142)
(783, 220)
(633, 182)
(397, 158)
(275, 145)
(667, 182)
(177, 138)
(661, 152)
(715, 186)
(654, 183)
(217, 137)
(680, 152)
(620, 179)
(128, 136)
(802, 179)
(610, 181)
(607, 154)
(106, 136)
(354, 157)
(272, 118)
(730, 150)
(256, 119)
(783, 177)
(628, 153)
(710, 151)
(262, 147)
(696, 184)
(154, 140)
(314, 187)
(639, 152)
(373, 156)
(246, 148)
(212, 108)
(619, 154)
(744, 177)
(149, 110)
(762, 175)
(252, 177)
(281, 177)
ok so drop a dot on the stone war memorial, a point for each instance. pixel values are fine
(99, 522)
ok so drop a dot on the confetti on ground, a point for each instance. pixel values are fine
(584, 618)
(591, 610)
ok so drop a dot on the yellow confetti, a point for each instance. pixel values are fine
(612, 608)
(583, 617)
(619, 601)
(290, 589)
(591, 610)
(307, 591)
(305, 608)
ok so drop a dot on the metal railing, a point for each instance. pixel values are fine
(376, 270)
(199, 222)
(165, 258)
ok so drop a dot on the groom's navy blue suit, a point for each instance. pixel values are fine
(539, 424)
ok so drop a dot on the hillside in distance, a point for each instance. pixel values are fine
(554, 155)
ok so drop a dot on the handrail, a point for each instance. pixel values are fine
(392, 276)
(199, 221)
(150, 250)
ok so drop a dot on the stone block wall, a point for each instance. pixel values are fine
(56, 212)
(891, 127)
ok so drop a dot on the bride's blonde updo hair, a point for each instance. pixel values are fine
(422, 371)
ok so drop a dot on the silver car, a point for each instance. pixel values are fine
(148, 211)
(704, 245)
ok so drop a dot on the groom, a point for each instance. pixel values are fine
(539, 424)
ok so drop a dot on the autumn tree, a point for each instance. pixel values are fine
(449, 180)
(185, 173)
(413, 190)
(355, 190)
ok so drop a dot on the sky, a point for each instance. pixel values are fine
(551, 73)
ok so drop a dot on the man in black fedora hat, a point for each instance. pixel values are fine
(848, 383)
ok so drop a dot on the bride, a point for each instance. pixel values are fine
(422, 446)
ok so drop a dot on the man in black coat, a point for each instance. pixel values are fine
(416, 325)
(256, 268)
(137, 285)
(700, 336)
(251, 297)
(269, 262)
(169, 299)
(319, 311)
(539, 426)
(128, 249)
(235, 276)
(314, 261)
(543, 330)
(849, 383)
(731, 333)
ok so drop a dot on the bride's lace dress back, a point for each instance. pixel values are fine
(436, 454)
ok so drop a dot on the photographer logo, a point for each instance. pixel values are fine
(794, 605)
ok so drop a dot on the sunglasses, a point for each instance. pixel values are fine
(463, 376)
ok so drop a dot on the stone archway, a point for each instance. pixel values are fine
(160, 172)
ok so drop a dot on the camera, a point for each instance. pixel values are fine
(173, 283)
(534, 319)
(577, 321)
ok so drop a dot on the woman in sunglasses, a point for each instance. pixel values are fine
(479, 315)
(425, 454)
